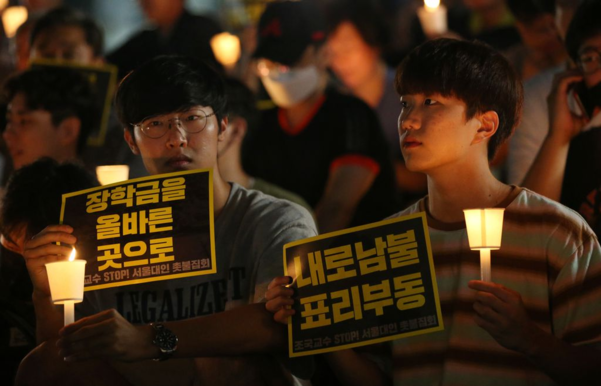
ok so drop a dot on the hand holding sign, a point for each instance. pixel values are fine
(279, 299)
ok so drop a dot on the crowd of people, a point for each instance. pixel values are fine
(332, 130)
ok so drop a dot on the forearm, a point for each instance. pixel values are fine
(354, 369)
(332, 216)
(564, 363)
(49, 318)
(546, 174)
(241, 331)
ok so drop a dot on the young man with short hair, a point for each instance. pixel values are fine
(540, 318)
(539, 321)
(174, 113)
(49, 114)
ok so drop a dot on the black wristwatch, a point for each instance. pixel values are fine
(165, 340)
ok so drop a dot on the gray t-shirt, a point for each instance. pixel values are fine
(250, 234)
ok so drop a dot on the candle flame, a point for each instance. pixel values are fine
(431, 5)
(72, 255)
(12, 18)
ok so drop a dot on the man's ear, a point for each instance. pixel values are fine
(131, 141)
(488, 125)
(222, 129)
(68, 131)
(238, 128)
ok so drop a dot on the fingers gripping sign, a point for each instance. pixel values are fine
(501, 312)
(280, 299)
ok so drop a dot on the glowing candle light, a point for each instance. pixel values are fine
(484, 232)
(66, 279)
(12, 18)
(226, 48)
(110, 174)
(433, 18)
(3, 4)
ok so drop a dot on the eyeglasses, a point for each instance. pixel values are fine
(589, 60)
(192, 121)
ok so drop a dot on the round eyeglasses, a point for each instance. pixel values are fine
(192, 121)
(589, 60)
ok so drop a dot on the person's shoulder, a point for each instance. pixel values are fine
(264, 209)
(532, 208)
(335, 97)
(203, 22)
(540, 84)
(411, 209)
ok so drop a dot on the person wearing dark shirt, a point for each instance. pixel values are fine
(327, 147)
(176, 31)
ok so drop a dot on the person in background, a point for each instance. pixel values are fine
(172, 31)
(542, 47)
(568, 166)
(49, 115)
(355, 42)
(525, 144)
(69, 36)
(32, 200)
(243, 117)
(324, 146)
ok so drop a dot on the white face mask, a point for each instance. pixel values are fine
(289, 88)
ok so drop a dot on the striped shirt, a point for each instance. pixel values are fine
(548, 254)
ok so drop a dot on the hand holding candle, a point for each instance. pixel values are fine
(433, 18)
(484, 232)
(66, 279)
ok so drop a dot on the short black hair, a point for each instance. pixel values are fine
(166, 84)
(584, 25)
(526, 11)
(64, 16)
(241, 102)
(33, 195)
(472, 72)
(62, 91)
(365, 15)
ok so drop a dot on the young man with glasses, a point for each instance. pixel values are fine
(568, 166)
(173, 110)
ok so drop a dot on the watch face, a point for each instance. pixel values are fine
(166, 340)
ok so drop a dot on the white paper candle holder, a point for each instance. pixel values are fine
(110, 174)
(66, 279)
(484, 232)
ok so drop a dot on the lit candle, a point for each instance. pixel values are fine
(66, 279)
(226, 48)
(484, 232)
(110, 174)
(433, 18)
(12, 18)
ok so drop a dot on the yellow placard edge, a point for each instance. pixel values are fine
(156, 177)
(440, 327)
(368, 342)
